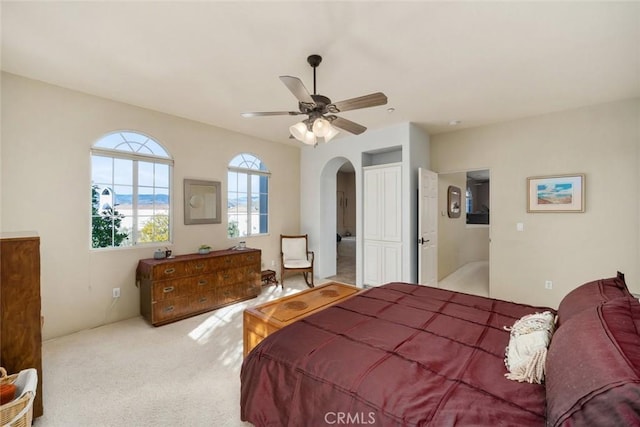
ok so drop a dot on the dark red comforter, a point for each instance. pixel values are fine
(399, 354)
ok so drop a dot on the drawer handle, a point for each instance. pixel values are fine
(202, 282)
(228, 260)
(168, 309)
(250, 257)
(170, 271)
(226, 293)
(203, 299)
(226, 276)
(168, 289)
(199, 266)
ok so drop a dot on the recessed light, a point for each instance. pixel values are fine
(454, 122)
(390, 110)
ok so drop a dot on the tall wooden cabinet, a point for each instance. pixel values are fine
(382, 225)
(20, 321)
(177, 288)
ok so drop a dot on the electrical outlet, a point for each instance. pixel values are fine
(116, 292)
(548, 284)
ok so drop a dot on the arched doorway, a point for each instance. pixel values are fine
(346, 224)
(338, 217)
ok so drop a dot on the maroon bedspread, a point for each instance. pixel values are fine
(399, 354)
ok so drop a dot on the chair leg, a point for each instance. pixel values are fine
(308, 275)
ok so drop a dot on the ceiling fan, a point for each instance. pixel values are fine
(322, 120)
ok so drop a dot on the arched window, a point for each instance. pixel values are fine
(247, 196)
(130, 191)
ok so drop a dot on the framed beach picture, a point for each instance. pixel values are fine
(559, 193)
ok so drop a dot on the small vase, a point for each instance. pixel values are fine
(203, 251)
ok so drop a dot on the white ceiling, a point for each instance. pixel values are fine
(478, 62)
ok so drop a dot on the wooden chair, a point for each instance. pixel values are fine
(295, 256)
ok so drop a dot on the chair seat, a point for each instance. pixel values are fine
(297, 263)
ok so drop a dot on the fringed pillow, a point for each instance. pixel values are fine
(527, 351)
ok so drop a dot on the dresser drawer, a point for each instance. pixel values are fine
(168, 289)
(227, 294)
(231, 276)
(203, 301)
(170, 308)
(247, 259)
(169, 270)
(205, 265)
(249, 289)
(205, 282)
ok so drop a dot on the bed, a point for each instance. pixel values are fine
(409, 355)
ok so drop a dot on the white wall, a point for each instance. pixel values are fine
(318, 189)
(600, 141)
(47, 132)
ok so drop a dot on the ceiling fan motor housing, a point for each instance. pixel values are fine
(314, 60)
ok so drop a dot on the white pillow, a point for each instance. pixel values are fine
(527, 350)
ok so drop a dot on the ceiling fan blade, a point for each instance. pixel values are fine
(366, 101)
(348, 125)
(271, 113)
(298, 90)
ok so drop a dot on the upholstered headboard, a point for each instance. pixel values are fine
(593, 361)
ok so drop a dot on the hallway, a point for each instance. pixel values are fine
(346, 262)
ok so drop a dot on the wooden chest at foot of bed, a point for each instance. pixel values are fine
(263, 320)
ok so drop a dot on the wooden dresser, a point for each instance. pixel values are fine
(263, 320)
(175, 288)
(20, 321)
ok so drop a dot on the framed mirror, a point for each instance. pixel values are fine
(202, 202)
(453, 201)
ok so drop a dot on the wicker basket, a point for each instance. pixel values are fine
(18, 412)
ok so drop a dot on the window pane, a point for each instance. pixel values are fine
(255, 223)
(161, 175)
(145, 173)
(232, 179)
(255, 185)
(264, 227)
(123, 171)
(161, 201)
(242, 225)
(153, 228)
(101, 170)
(110, 141)
(243, 182)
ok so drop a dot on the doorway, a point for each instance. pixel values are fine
(345, 224)
(464, 240)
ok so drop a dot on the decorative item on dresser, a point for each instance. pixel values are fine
(20, 317)
(186, 285)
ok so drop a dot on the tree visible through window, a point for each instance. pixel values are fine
(247, 196)
(130, 191)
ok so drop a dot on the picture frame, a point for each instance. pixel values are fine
(202, 202)
(556, 193)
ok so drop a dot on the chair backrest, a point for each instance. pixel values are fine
(294, 247)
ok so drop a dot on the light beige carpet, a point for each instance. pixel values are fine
(129, 373)
(471, 278)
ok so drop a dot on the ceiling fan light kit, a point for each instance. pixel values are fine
(322, 121)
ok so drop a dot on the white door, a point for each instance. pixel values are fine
(427, 227)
